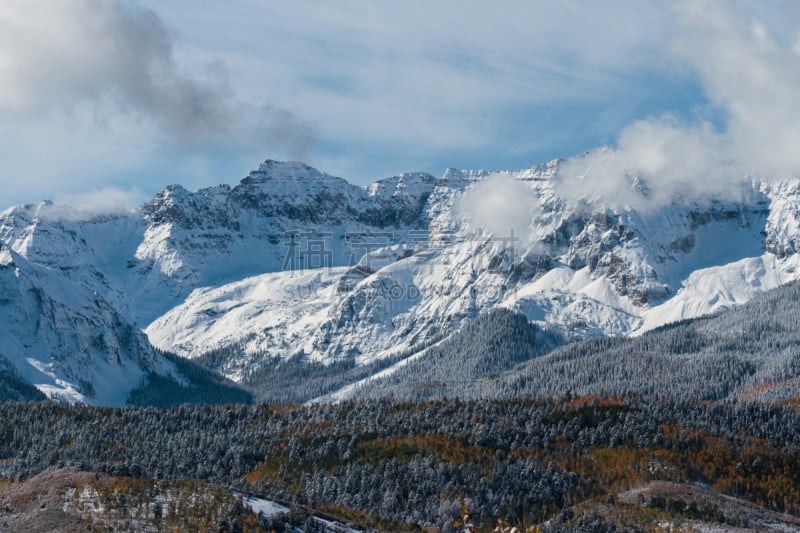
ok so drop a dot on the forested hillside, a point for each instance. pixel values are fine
(496, 342)
(750, 352)
(12, 387)
(204, 386)
(294, 379)
(396, 466)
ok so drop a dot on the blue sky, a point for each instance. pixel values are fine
(107, 102)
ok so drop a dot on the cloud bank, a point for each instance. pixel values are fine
(752, 80)
(106, 201)
(499, 205)
(58, 55)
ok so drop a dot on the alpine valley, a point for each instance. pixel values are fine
(297, 285)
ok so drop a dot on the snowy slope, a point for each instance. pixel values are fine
(716, 289)
(281, 311)
(66, 340)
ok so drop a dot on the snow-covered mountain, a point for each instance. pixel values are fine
(292, 261)
(68, 341)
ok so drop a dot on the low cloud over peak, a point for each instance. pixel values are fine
(751, 79)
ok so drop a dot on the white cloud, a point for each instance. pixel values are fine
(84, 206)
(753, 80)
(60, 55)
(499, 205)
(103, 201)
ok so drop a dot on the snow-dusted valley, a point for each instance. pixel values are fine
(294, 263)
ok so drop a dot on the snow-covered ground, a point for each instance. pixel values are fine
(715, 289)
(266, 508)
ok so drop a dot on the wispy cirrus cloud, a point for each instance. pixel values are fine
(426, 85)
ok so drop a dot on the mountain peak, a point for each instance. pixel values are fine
(408, 183)
(271, 170)
(173, 190)
(272, 164)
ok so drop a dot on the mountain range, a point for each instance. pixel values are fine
(294, 273)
